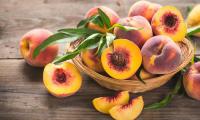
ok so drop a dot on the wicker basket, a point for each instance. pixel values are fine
(136, 86)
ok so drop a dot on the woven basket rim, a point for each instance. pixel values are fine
(78, 62)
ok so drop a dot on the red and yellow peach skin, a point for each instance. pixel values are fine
(30, 41)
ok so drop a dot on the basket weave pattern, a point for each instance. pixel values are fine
(136, 86)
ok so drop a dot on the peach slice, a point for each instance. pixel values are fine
(62, 80)
(104, 104)
(128, 111)
(91, 60)
(169, 21)
(122, 59)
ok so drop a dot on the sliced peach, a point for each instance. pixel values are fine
(122, 59)
(129, 111)
(62, 80)
(169, 21)
(91, 60)
(103, 104)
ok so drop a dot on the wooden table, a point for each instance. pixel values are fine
(22, 94)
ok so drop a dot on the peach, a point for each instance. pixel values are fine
(139, 37)
(104, 104)
(145, 9)
(128, 111)
(62, 80)
(161, 55)
(169, 21)
(143, 75)
(112, 15)
(191, 81)
(122, 59)
(30, 41)
(193, 18)
(91, 60)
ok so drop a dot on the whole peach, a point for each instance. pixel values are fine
(144, 8)
(161, 55)
(112, 15)
(139, 37)
(30, 41)
(191, 81)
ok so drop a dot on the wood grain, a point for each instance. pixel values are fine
(22, 94)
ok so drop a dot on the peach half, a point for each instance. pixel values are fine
(144, 8)
(62, 80)
(91, 60)
(191, 81)
(122, 59)
(128, 111)
(169, 21)
(104, 104)
(30, 41)
(161, 55)
(112, 15)
(139, 37)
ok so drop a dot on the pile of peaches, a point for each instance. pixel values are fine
(147, 39)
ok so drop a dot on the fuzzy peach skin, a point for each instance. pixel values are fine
(121, 60)
(104, 104)
(91, 60)
(169, 21)
(191, 81)
(128, 111)
(112, 15)
(144, 8)
(62, 80)
(30, 41)
(139, 37)
(161, 55)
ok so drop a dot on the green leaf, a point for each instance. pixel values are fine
(104, 18)
(138, 75)
(97, 20)
(89, 41)
(125, 28)
(101, 46)
(48, 41)
(193, 30)
(167, 98)
(109, 38)
(83, 23)
(65, 57)
(77, 31)
(196, 59)
(189, 8)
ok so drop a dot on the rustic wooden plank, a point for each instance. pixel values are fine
(17, 17)
(23, 96)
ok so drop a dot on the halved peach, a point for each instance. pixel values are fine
(62, 80)
(128, 111)
(104, 104)
(169, 21)
(91, 60)
(122, 59)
